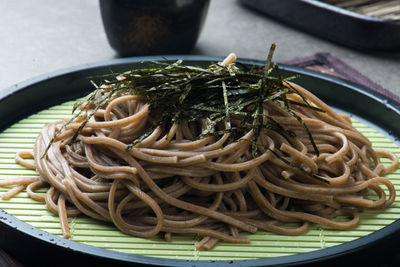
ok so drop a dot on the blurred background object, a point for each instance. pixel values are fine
(143, 27)
(385, 9)
(361, 24)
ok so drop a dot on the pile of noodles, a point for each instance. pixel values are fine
(173, 182)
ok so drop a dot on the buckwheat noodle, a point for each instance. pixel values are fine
(173, 183)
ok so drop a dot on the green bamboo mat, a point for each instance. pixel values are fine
(21, 136)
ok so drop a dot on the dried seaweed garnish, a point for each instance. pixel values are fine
(183, 93)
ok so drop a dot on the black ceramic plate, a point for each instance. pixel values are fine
(37, 247)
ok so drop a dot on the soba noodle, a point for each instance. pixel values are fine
(173, 182)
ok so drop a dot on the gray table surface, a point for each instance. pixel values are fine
(41, 36)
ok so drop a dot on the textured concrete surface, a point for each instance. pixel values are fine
(43, 36)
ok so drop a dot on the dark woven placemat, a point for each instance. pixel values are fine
(326, 63)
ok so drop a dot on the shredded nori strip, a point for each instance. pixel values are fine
(185, 93)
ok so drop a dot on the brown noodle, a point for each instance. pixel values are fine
(172, 182)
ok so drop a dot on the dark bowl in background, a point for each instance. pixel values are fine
(150, 27)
